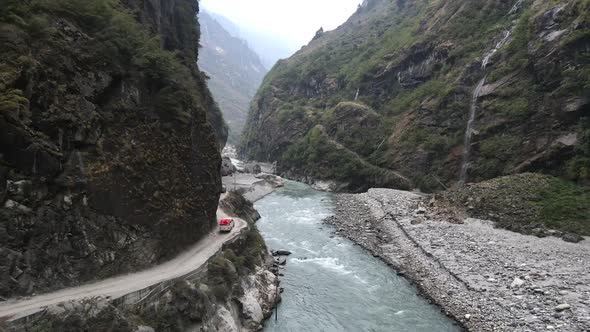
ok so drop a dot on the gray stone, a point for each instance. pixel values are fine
(572, 237)
(144, 329)
(281, 252)
(274, 180)
(516, 283)
(227, 167)
(562, 307)
(252, 168)
(19, 189)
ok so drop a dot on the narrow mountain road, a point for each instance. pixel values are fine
(117, 287)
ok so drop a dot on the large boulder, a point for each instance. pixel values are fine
(274, 180)
(572, 237)
(252, 168)
(234, 203)
(227, 167)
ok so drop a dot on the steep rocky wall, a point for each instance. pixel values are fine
(109, 157)
(417, 66)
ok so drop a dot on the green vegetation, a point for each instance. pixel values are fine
(578, 168)
(13, 101)
(411, 99)
(415, 65)
(110, 38)
(577, 79)
(324, 159)
(222, 276)
(529, 203)
(499, 147)
(565, 206)
(516, 52)
(239, 259)
(357, 127)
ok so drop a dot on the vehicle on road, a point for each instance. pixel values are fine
(226, 225)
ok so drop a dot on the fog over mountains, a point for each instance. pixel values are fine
(269, 48)
(235, 70)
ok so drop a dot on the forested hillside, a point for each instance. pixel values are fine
(432, 93)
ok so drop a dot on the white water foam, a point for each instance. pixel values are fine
(330, 263)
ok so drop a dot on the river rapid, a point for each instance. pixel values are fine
(330, 283)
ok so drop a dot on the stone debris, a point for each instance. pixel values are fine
(504, 281)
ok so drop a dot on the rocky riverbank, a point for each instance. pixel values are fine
(487, 279)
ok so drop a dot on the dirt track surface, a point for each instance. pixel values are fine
(117, 287)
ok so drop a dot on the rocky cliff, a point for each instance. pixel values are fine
(430, 94)
(109, 139)
(235, 72)
(235, 291)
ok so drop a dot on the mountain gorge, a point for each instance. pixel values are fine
(428, 94)
(109, 140)
(235, 71)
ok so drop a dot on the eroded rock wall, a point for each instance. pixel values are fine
(109, 140)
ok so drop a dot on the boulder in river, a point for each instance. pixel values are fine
(274, 180)
(281, 260)
(281, 252)
(252, 168)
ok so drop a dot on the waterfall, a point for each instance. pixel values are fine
(502, 42)
(469, 131)
(516, 7)
(477, 92)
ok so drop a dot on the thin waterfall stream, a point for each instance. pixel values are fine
(470, 129)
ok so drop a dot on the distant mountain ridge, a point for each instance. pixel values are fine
(441, 92)
(235, 70)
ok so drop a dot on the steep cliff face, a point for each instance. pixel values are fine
(235, 72)
(443, 91)
(109, 139)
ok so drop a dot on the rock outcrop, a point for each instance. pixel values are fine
(109, 140)
(227, 167)
(234, 292)
(236, 204)
(393, 90)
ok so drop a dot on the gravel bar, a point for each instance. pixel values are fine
(487, 279)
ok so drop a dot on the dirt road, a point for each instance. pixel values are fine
(119, 286)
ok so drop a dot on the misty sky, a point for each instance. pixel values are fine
(294, 21)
